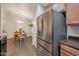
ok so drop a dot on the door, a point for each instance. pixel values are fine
(44, 41)
(47, 26)
(64, 53)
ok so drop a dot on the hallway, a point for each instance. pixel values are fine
(24, 49)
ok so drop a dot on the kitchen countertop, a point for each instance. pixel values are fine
(74, 43)
(2, 37)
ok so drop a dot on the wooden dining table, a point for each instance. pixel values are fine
(16, 34)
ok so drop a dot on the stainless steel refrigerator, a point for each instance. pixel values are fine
(51, 28)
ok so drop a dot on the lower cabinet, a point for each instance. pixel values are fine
(68, 51)
(64, 53)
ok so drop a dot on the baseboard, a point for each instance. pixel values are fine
(13, 38)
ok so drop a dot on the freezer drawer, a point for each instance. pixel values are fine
(42, 52)
(46, 45)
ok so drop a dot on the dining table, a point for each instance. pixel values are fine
(16, 34)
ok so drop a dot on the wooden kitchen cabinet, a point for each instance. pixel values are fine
(64, 53)
(72, 14)
(68, 51)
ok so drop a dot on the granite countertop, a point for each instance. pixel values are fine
(74, 43)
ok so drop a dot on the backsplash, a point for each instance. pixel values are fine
(73, 31)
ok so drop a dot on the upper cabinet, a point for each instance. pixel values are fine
(72, 14)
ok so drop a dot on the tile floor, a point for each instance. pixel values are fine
(16, 49)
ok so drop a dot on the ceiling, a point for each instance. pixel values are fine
(27, 10)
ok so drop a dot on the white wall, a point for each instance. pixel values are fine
(3, 20)
(0, 20)
(73, 31)
(34, 33)
(39, 11)
(58, 6)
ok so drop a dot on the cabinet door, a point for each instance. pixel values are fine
(47, 26)
(72, 13)
(71, 50)
(64, 53)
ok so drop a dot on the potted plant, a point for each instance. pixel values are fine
(31, 25)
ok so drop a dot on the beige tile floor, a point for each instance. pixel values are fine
(16, 49)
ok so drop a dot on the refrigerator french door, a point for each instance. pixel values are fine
(51, 29)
